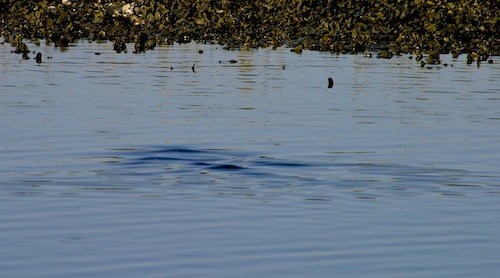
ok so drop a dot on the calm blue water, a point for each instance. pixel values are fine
(127, 165)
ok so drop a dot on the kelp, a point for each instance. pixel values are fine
(338, 26)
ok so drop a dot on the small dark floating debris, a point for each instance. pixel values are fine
(330, 82)
(283, 66)
(200, 51)
(230, 61)
(192, 68)
(38, 58)
(490, 61)
(97, 53)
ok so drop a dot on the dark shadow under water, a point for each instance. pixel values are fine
(186, 167)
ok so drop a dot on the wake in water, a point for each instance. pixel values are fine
(188, 167)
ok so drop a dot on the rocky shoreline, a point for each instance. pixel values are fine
(393, 27)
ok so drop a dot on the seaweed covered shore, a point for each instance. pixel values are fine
(402, 26)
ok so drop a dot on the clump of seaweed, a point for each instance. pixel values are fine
(345, 26)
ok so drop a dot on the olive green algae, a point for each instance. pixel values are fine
(417, 26)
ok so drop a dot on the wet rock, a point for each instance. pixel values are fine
(385, 54)
(433, 58)
(38, 58)
(297, 49)
(342, 26)
(119, 46)
(470, 59)
(330, 82)
(419, 57)
(141, 43)
(21, 48)
(60, 40)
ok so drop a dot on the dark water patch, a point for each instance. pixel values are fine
(219, 170)
(105, 188)
(454, 194)
(365, 197)
(279, 164)
(463, 185)
(350, 152)
(318, 199)
(26, 193)
(202, 164)
(152, 196)
(155, 158)
(226, 167)
(35, 182)
(156, 161)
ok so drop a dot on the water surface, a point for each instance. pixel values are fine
(134, 164)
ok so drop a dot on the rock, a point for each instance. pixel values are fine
(433, 58)
(385, 54)
(342, 26)
(470, 59)
(119, 46)
(330, 82)
(297, 49)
